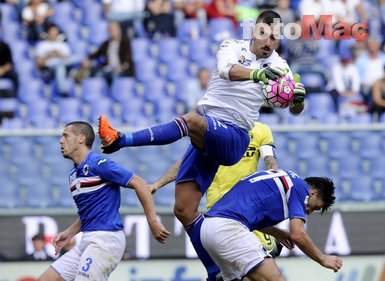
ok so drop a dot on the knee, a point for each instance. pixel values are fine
(184, 214)
(193, 120)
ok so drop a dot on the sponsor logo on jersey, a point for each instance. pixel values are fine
(87, 167)
(244, 61)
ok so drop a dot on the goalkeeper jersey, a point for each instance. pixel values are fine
(227, 176)
(236, 102)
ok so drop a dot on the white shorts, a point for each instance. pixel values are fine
(232, 246)
(96, 256)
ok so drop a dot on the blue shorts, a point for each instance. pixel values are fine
(225, 145)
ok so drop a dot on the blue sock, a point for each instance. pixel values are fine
(157, 135)
(194, 232)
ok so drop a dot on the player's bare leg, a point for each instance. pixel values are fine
(187, 199)
(265, 271)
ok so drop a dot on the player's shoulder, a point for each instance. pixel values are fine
(234, 43)
(261, 130)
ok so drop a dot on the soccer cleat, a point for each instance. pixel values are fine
(108, 135)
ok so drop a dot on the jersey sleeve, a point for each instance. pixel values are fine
(112, 172)
(265, 138)
(227, 57)
(296, 201)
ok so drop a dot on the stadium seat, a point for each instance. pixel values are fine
(12, 33)
(140, 49)
(13, 123)
(314, 81)
(98, 32)
(371, 144)
(123, 88)
(361, 188)
(189, 29)
(92, 11)
(98, 107)
(154, 90)
(146, 70)
(304, 145)
(316, 166)
(69, 109)
(198, 49)
(8, 12)
(269, 118)
(94, 88)
(30, 91)
(349, 166)
(320, 105)
(168, 49)
(221, 29)
(8, 104)
(9, 197)
(177, 70)
(337, 144)
(166, 109)
(63, 13)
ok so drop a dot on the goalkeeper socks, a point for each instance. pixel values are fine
(193, 230)
(157, 135)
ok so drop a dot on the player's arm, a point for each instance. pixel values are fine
(61, 239)
(300, 237)
(267, 153)
(168, 177)
(281, 235)
(229, 68)
(143, 192)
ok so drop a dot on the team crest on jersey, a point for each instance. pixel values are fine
(244, 61)
(86, 169)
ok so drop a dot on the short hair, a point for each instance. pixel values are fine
(82, 127)
(325, 189)
(268, 17)
(38, 236)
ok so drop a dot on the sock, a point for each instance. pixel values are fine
(157, 135)
(193, 230)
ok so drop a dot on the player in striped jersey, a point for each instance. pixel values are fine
(260, 201)
(95, 183)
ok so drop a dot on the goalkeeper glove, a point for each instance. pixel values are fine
(299, 90)
(267, 73)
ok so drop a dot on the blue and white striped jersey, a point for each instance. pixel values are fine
(264, 199)
(95, 186)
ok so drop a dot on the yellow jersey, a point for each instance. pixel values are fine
(227, 176)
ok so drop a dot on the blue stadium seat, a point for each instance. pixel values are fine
(13, 123)
(314, 81)
(317, 166)
(371, 144)
(63, 13)
(361, 188)
(30, 91)
(198, 49)
(98, 32)
(38, 110)
(221, 29)
(8, 12)
(269, 119)
(123, 88)
(9, 197)
(92, 11)
(337, 144)
(146, 70)
(166, 109)
(377, 166)
(304, 145)
(140, 49)
(349, 166)
(12, 33)
(169, 49)
(154, 90)
(8, 104)
(69, 109)
(320, 105)
(177, 70)
(94, 88)
(99, 107)
(189, 29)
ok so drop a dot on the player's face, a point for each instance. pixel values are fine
(265, 40)
(69, 143)
(314, 203)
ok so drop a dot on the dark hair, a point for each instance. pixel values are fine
(38, 236)
(81, 127)
(325, 188)
(268, 17)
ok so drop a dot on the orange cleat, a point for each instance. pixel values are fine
(107, 134)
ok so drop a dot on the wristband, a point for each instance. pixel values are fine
(251, 75)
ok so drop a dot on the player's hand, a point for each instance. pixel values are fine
(159, 232)
(299, 90)
(60, 240)
(332, 262)
(267, 73)
(154, 187)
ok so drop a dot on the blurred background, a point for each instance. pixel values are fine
(142, 62)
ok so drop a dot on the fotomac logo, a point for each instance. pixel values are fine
(308, 29)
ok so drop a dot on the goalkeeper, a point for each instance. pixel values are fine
(261, 146)
(219, 132)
